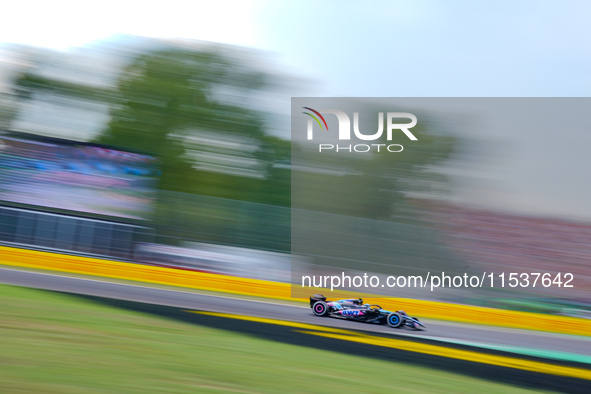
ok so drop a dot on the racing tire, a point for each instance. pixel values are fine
(320, 308)
(394, 320)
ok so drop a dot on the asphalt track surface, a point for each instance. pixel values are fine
(442, 331)
(298, 326)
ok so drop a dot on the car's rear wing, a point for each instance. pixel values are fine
(315, 298)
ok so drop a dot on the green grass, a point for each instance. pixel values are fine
(54, 343)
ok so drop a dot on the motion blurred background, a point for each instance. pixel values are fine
(160, 134)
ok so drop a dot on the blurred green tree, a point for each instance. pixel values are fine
(8, 110)
(190, 106)
(375, 185)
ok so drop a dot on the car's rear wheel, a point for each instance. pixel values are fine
(320, 308)
(394, 320)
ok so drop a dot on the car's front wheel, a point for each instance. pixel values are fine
(320, 308)
(394, 320)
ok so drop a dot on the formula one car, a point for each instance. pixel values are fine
(355, 309)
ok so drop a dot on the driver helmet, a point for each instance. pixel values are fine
(360, 301)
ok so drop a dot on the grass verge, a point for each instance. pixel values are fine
(55, 343)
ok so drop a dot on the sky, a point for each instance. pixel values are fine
(422, 48)
(382, 48)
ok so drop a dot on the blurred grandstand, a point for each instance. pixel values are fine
(504, 242)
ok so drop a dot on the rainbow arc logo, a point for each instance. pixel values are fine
(315, 118)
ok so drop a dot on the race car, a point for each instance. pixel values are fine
(355, 309)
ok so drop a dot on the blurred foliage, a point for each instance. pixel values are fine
(191, 107)
(28, 83)
(168, 96)
(8, 109)
(375, 185)
(178, 103)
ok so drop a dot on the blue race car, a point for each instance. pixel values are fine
(355, 309)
